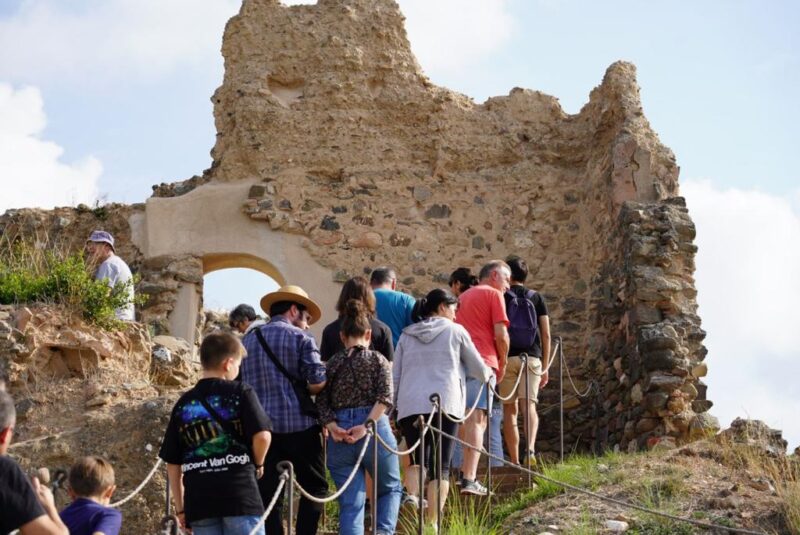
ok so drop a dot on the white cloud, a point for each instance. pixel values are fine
(748, 280)
(448, 36)
(110, 39)
(31, 170)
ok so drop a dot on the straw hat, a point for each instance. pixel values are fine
(294, 294)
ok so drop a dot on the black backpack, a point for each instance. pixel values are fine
(522, 318)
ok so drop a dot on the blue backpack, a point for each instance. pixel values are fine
(522, 317)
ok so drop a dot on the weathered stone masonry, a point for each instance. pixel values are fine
(331, 139)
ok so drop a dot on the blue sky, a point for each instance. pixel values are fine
(104, 98)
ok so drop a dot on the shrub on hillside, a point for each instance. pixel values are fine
(30, 274)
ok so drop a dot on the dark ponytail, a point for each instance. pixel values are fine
(429, 305)
(355, 319)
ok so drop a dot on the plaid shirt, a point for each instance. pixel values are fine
(297, 351)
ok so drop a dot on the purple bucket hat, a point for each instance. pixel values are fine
(101, 236)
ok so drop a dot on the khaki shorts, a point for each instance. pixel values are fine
(510, 378)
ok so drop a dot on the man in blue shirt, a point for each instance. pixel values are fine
(295, 434)
(392, 307)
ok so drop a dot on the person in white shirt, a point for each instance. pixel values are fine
(111, 268)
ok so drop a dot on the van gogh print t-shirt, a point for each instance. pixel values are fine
(219, 475)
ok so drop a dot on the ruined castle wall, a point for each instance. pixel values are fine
(329, 133)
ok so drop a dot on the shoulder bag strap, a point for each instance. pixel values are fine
(272, 356)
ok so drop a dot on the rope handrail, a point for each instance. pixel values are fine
(282, 481)
(516, 383)
(552, 358)
(388, 448)
(572, 383)
(138, 489)
(370, 433)
(595, 495)
(471, 410)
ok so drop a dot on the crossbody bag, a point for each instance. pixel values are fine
(300, 387)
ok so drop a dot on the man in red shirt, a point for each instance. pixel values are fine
(482, 312)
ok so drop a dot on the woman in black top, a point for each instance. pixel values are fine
(381, 341)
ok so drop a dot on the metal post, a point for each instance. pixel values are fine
(168, 505)
(526, 416)
(284, 466)
(489, 443)
(325, 463)
(373, 506)
(421, 463)
(435, 398)
(561, 393)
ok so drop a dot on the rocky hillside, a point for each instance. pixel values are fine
(741, 478)
(82, 391)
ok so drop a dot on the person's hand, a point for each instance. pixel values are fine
(259, 471)
(337, 433)
(182, 521)
(356, 433)
(544, 380)
(44, 494)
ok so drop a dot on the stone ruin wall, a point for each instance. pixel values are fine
(346, 143)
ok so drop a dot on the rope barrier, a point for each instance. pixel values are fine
(516, 383)
(356, 467)
(138, 489)
(474, 406)
(283, 477)
(575, 388)
(416, 444)
(595, 495)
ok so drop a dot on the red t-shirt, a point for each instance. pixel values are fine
(479, 309)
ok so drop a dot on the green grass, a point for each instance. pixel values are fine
(577, 470)
(44, 274)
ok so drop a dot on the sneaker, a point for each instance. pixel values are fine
(530, 460)
(409, 500)
(459, 478)
(473, 487)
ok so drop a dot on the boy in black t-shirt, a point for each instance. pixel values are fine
(215, 445)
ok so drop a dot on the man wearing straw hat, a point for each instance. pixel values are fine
(284, 368)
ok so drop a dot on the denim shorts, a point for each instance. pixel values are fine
(475, 387)
(227, 525)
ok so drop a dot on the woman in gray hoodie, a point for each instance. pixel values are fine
(433, 356)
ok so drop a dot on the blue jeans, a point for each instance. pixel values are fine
(226, 525)
(342, 458)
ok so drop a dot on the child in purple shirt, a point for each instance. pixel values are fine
(91, 484)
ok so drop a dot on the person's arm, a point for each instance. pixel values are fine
(544, 332)
(49, 523)
(312, 368)
(471, 359)
(175, 479)
(384, 393)
(358, 432)
(501, 344)
(261, 442)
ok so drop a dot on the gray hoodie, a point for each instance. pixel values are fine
(434, 356)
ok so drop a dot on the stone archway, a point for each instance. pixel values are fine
(206, 230)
